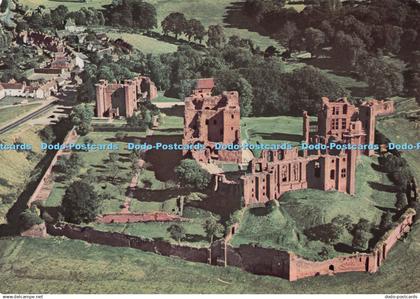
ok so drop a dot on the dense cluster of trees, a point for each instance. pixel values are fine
(42, 19)
(351, 30)
(126, 13)
(177, 24)
(131, 13)
(265, 88)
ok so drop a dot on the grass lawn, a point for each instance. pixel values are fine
(195, 234)
(162, 99)
(171, 122)
(145, 44)
(97, 160)
(6, 101)
(275, 229)
(10, 113)
(15, 167)
(78, 267)
(272, 130)
(303, 209)
(71, 5)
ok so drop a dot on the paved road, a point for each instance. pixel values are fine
(27, 117)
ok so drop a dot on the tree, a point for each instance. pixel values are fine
(287, 35)
(28, 219)
(190, 174)
(70, 166)
(328, 233)
(343, 221)
(348, 49)
(158, 72)
(232, 80)
(175, 23)
(177, 232)
(360, 240)
(384, 78)
(314, 38)
(402, 201)
(58, 16)
(194, 28)
(81, 203)
(81, 118)
(386, 221)
(216, 36)
(213, 229)
(361, 234)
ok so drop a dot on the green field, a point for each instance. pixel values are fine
(10, 113)
(145, 44)
(59, 265)
(209, 12)
(162, 99)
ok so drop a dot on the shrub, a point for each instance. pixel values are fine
(29, 218)
(191, 175)
(80, 203)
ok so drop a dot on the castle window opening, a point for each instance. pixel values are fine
(332, 174)
(343, 173)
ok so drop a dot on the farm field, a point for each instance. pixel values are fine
(145, 44)
(210, 12)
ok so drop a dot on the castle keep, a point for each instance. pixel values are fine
(209, 120)
(120, 99)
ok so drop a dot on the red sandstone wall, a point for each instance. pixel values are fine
(132, 218)
(42, 191)
(121, 240)
(250, 258)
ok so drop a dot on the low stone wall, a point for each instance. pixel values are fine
(48, 71)
(44, 187)
(91, 235)
(36, 231)
(132, 218)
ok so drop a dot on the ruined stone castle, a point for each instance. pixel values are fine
(216, 119)
(209, 120)
(121, 99)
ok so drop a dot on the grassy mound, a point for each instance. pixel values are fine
(273, 227)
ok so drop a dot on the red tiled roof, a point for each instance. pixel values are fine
(12, 85)
(207, 83)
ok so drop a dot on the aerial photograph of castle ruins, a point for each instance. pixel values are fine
(209, 147)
